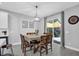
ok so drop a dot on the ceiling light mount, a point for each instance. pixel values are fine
(36, 17)
(36, 6)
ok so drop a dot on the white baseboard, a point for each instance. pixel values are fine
(72, 48)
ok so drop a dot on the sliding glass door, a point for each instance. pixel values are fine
(57, 30)
(54, 26)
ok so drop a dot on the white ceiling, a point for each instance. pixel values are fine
(44, 8)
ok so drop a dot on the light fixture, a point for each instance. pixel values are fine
(36, 17)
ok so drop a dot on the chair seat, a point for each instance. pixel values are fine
(7, 46)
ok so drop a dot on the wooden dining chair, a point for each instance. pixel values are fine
(49, 41)
(42, 45)
(24, 44)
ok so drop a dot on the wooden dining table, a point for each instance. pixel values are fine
(33, 37)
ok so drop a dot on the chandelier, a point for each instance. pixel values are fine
(36, 17)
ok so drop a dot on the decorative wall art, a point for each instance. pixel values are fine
(31, 24)
(73, 19)
(24, 24)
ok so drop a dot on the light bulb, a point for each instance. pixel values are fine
(37, 19)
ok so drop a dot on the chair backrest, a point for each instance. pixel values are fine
(23, 41)
(30, 33)
(22, 38)
(49, 37)
(44, 39)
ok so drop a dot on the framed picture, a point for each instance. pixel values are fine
(73, 19)
(24, 24)
(31, 24)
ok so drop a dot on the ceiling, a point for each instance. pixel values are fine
(44, 8)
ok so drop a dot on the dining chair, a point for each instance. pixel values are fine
(24, 44)
(42, 45)
(50, 40)
(8, 46)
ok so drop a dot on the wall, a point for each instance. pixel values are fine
(3, 25)
(56, 16)
(41, 26)
(13, 29)
(3, 21)
(72, 31)
(25, 30)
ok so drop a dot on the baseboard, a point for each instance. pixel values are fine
(72, 48)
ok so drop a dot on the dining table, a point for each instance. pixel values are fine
(33, 37)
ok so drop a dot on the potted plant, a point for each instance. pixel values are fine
(4, 32)
(36, 31)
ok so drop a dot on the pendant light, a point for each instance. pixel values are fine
(36, 17)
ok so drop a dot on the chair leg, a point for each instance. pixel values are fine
(22, 49)
(31, 47)
(2, 51)
(24, 52)
(40, 51)
(12, 51)
(35, 49)
(51, 46)
(46, 49)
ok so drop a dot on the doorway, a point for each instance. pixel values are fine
(54, 26)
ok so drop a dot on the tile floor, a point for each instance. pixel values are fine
(57, 51)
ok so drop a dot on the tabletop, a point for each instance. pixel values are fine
(32, 37)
